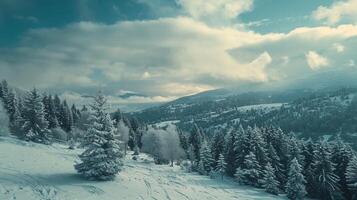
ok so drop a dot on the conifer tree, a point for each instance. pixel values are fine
(4, 92)
(102, 158)
(217, 146)
(206, 161)
(239, 176)
(35, 124)
(230, 151)
(195, 140)
(275, 162)
(325, 179)
(351, 176)
(308, 171)
(221, 165)
(295, 187)
(75, 114)
(270, 182)
(341, 156)
(50, 112)
(252, 170)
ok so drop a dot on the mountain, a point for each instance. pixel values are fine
(309, 113)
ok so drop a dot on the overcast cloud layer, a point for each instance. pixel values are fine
(204, 46)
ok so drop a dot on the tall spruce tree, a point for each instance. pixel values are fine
(269, 181)
(221, 166)
(325, 179)
(206, 160)
(217, 146)
(341, 155)
(102, 158)
(351, 176)
(35, 124)
(252, 170)
(50, 112)
(295, 187)
(195, 140)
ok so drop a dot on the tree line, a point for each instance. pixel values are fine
(268, 158)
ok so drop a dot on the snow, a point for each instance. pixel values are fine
(30, 171)
(266, 107)
(166, 123)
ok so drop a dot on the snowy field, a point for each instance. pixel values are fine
(31, 171)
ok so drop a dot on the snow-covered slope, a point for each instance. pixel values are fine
(31, 171)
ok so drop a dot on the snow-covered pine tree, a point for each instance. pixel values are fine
(217, 146)
(341, 155)
(17, 123)
(269, 181)
(221, 165)
(274, 161)
(308, 171)
(239, 176)
(35, 124)
(195, 140)
(50, 112)
(258, 146)
(206, 160)
(242, 147)
(252, 170)
(4, 121)
(295, 149)
(351, 176)
(102, 158)
(66, 116)
(184, 142)
(76, 114)
(295, 187)
(4, 92)
(325, 179)
(58, 107)
(230, 151)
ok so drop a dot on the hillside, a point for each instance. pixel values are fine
(307, 113)
(34, 171)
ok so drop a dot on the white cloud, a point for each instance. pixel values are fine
(339, 47)
(337, 11)
(128, 54)
(215, 10)
(315, 61)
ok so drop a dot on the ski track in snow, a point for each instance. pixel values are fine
(37, 172)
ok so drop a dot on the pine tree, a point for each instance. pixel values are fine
(221, 165)
(230, 151)
(275, 162)
(325, 179)
(239, 176)
(295, 187)
(66, 117)
(252, 170)
(183, 142)
(206, 161)
(4, 92)
(269, 182)
(58, 108)
(217, 146)
(195, 140)
(35, 124)
(308, 171)
(75, 114)
(341, 155)
(102, 158)
(50, 112)
(351, 176)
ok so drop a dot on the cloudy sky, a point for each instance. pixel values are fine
(164, 49)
